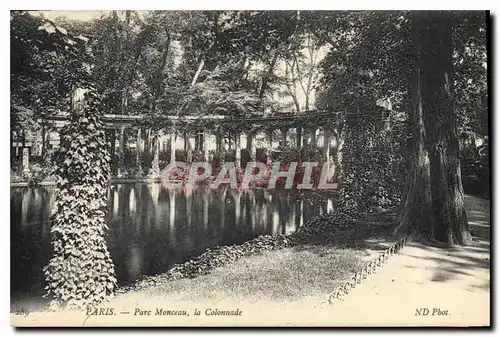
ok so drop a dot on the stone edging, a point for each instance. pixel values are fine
(368, 269)
(210, 259)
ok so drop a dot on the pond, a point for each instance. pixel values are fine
(151, 228)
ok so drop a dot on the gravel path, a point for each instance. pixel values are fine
(453, 284)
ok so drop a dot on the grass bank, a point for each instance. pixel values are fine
(280, 275)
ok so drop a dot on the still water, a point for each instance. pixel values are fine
(152, 228)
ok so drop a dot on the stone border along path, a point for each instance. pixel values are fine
(368, 269)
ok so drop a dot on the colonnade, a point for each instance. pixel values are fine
(201, 138)
(204, 142)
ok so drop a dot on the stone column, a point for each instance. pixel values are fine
(25, 166)
(196, 140)
(269, 158)
(218, 141)
(172, 146)
(61, 138)
(44, 139)
(189, 150)
(122, 171)
(313, 136)
(186, 139)
(12, 141)
(326, 144)
(112, 150)
(155, 163)
(299, 136)
(237, 146)
(205, 146)
(284, 131)
(138, 162)
(34, 143)
(147, 141)
(251, 146)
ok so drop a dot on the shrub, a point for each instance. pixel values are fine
(285, 154)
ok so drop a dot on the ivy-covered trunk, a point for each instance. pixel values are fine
(355, 185)
(81, 272)
(355, 166)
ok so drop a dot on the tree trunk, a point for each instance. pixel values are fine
(416, 206)
(436, 51)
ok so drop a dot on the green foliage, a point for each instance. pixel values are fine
(81, 272)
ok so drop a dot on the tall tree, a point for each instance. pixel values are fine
(416, 212)
(434, 201)
(436, 52)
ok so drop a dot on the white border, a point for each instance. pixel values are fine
(192, 4)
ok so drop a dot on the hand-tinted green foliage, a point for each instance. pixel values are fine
(81, 272)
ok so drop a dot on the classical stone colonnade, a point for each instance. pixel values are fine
(202, 136)
(225, 138)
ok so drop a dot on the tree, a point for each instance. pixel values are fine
(436, 52)
(416, 213)
(80, 272)
(368, 59)
(436, 184)
(41, 74)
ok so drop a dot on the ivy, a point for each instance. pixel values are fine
(81, 272)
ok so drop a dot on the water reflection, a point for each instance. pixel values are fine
(151, 228)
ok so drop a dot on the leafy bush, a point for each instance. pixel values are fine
(312, 153)
(218, 157)
(285, 154)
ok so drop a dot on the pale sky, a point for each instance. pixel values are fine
(73, 15)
